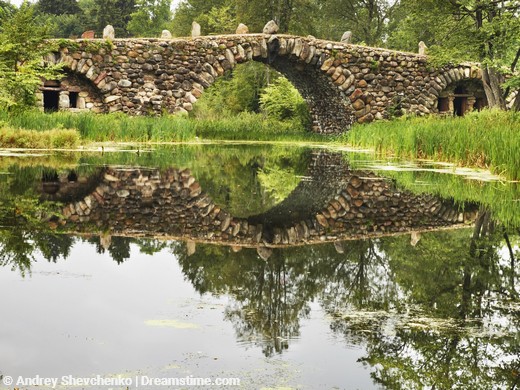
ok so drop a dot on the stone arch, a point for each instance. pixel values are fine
(77, 90)
(295, 59)
(298, 61)
(71, 92)
(460, 90)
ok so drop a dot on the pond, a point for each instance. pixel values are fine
(256, 267)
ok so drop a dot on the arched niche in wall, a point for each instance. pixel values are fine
(74, 92)
(462, 97)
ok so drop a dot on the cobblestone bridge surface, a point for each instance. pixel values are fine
(170, 204)
(341, 83)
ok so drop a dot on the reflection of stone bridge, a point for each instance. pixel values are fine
(341, 83)
(341, 205)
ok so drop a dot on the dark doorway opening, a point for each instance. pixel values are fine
(51, 100)
(460, 104)
(480, 104)
(443, 104)
(73, 97)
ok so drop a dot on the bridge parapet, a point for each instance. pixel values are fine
(341, 83)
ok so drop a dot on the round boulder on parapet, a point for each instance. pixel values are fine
(109, 32)
(242, 29)
(347, 37)
(271, 27)
(165, 34)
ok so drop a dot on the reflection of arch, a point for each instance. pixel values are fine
(330, 170)
(462, 96)
(67, 186)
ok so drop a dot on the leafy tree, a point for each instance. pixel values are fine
(367, 19)
(6, 11)
(150, 17)
(22, 49)
(114, 12)
(220, 20)
(63, 26)
(290, 15)
(58, 7)
(218, 17)
(193, 10)
(88, 14)
(236, 92)
(486, 31)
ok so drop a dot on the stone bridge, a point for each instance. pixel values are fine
(170, 204)
(342, 83)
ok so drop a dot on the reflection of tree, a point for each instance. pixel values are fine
(268, 311)
(119, 248)
(269, 297)
(150, 246)
(26, 223)
(240, 190)
(448, 324)
(25, 228)
(53, 246)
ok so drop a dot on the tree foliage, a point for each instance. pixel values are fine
(367, 19)
(280, 100)
(22, 49)
(6, 11)
(149, 18)
(114, 12)
(58, 7)
(236, 92)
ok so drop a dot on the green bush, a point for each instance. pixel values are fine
(281, 100)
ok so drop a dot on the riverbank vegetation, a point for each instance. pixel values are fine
(122, 128)
(29, 139)
(254, 103)
(488, 139)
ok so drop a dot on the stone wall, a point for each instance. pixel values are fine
(341, 83)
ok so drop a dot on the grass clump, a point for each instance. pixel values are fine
(31, 139)
(166, 128)
(103, 128)
(487, 139)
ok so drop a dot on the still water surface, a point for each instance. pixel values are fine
(284, 267)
